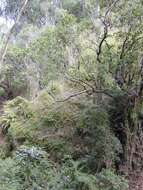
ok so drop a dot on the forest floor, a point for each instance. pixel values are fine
(136, 181)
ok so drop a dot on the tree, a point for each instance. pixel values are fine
(85, 57)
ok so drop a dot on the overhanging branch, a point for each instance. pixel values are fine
(105, 92)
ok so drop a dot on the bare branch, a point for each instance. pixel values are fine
(106, 25)
(74, 95)
(99, 51)
(123, 47)
(88, 92)
(110, 8)
(80, 82)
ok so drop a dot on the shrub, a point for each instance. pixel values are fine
(103, 146)
(30, 168)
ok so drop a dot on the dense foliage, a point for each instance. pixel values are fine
(71, 89)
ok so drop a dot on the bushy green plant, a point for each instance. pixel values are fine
(16, 110)
(17, 121)
(110, 181)
(2, 92)
(103, 146)
(30, 168)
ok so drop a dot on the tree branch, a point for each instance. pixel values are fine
(74, 95)
(111, 7)
(80, 82)
(4, 49)
(88, 92)
(99, 51)
(123, 47)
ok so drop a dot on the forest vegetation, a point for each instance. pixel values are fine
(71, 95)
